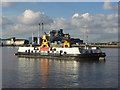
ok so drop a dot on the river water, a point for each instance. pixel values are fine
(48, 73)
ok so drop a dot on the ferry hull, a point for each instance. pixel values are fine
(89, 57)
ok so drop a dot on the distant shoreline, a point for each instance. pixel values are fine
(101, 46)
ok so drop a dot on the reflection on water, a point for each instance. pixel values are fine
(27, 67)
(52, 69)
(50, 73)
(44, 72)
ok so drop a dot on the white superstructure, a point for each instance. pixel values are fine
(54, 50)
(24, 49)
(68, 50)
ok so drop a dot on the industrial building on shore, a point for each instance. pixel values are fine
(13, 41)
(56, 37)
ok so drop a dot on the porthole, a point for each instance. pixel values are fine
(65, 52)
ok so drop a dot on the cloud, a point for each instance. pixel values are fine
(96, 24)
(20, 0)
(106, 37)
(108, 6)
(27, 22)
(7, 4)
(6, 21)
(61, 23)
(57, 0)
(20, 30)
(76, 25)
(30, 17)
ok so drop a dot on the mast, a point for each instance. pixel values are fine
(39, 34)
(86, 35)
(32, 38)
(42, 28)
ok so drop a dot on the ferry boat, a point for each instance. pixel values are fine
(66, 52)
